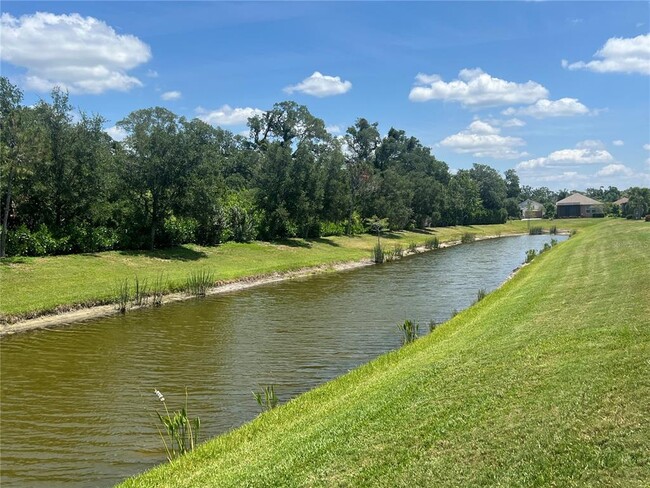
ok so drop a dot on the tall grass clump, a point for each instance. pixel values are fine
(432, 243)
(536, 230)
(481, 294)
(432, 325)
(398, 251)
(123, 295)
(378, 254)
(158, 290)
(552, 230)
(413, 248)
(530, 255)
(198, 282)
(140, 292)
(266, 399)
(467, 237)
(409, 331)
(181, 432)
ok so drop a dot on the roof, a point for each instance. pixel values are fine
(621, 201)
(533, 205)
(578, 199)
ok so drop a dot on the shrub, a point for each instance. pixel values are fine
(241, 224)
(332, 228)
(178, 230)
(530, 255)
(647, 218)
(23, 242)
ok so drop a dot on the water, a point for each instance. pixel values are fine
(78, 404)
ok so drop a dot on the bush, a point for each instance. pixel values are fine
(530, 255)
(178, 230)
(647, 218)
(332, 228)
(241, 224)
(23, 242)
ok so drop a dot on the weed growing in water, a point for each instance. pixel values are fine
(535, 230)
(182, 433)
(398, 251)
(266, 399)
(481, 294)
(454, 312)
(157, 290)
(409, 330)
(140, 292)
(413, 248)
(552, 229)
(198, 282)
(530, 255)
(432, 325)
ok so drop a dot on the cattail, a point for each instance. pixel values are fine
(159, 395)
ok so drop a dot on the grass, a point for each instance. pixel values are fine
(544, 382)
(33, 286)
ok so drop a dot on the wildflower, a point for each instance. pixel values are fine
(159, 395)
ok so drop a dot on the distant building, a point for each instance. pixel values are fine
(531, 209)
(622, 202)
(578, 205)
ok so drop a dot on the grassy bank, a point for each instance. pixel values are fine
(545, 382)
(32, 286)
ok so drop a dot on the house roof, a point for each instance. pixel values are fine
(533, 205)
(578, 199)
(621, 201)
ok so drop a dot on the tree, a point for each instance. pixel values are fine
(155, 169)
(512, 184)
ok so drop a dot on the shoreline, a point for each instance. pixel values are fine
(83, 313)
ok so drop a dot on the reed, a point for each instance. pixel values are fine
(140, 292)
(432, 243)
(530, 255)
(398, 251)
(552, 229)
(158, 290)
(266, 399)
(481, 294)
(412, 248)
(181, 432)
(536, 230)
(467, 237)
(199, 282)
(123, 295)
(409, 331)
(378, 255)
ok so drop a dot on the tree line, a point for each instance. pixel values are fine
(68, 187)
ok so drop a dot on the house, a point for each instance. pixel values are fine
(578, 205)
(531, 209)
(622, 202)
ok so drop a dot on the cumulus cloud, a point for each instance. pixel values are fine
(646, 147)
(484, 140)
(475, 88)
(171, 95)
(320, 85)
(619, 55)
(80, 54)
(585, 152)
(333, 129)
(152, 73)
(117, 133)
(564, 107)
(226, 115)
(618, 142)
(615, 169)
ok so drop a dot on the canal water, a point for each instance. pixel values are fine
(78, 403)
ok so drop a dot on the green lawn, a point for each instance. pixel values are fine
(546, 382)
(31, 286)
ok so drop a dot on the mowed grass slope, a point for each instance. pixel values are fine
(546, 382)
(30, 286)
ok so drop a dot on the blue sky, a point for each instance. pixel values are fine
(560, 91)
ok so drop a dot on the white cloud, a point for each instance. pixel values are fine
(646, 147)
(618, 142)
(619, 55)
(117, 133)
(586, 152)
(171, 95)
(226, 115)
(80, 54)
(320, 85)
(476, 88)
(333, 129)
(484, 141)
(564, 107)
(152, 73)
(615, 169)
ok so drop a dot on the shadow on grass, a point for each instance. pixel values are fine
(292, 243)
(179, 253)
(8, 261)
(321, 240)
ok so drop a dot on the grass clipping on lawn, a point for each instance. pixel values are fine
(545, 382)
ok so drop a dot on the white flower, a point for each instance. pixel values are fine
(159, 395)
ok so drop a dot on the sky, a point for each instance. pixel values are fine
(560, 91)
